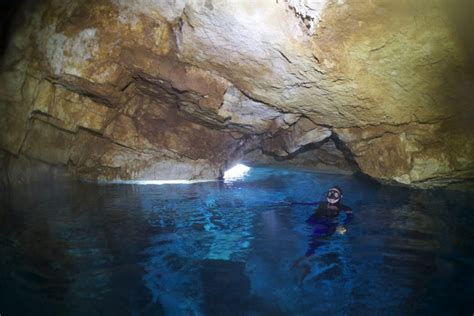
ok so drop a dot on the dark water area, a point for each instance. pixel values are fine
(230, 247)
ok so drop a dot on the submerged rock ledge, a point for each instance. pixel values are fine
(162, 90)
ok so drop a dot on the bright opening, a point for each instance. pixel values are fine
(159, 182)
(237, 172)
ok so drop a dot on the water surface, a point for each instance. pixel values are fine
(229, 248)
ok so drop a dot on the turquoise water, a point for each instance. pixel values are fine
(229, 248)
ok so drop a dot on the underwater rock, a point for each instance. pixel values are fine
(180, 90)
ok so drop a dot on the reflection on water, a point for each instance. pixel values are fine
(226, 248)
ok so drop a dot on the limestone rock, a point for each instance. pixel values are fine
(21, 170)
(245, 113)
(4, 162)
(409, 154)
(324, 158)
(96, 158)
(116, 89)
(304, 132)
(47, 144)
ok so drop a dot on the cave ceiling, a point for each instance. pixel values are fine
(146, 89)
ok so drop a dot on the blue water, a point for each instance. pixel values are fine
(229, 248)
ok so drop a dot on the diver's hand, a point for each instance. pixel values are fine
(341, 229)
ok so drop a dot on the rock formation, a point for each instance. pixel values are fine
(182, 89)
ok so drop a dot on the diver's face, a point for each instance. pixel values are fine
(333, 196)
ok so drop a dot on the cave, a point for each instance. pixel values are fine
(115, 92)
(114, 102)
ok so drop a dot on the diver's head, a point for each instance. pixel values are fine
(334, 195)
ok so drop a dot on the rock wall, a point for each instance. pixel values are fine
(182, 89)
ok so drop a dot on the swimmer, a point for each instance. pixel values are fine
(324, 219)
(324, 222)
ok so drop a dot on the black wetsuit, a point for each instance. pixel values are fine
(324, 222)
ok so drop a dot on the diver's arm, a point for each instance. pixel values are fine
(349, 214)
(304, 203)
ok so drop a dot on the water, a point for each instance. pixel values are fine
(229, 248)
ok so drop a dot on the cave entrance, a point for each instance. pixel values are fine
(238, 171)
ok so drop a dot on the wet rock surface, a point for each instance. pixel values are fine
(154, 90)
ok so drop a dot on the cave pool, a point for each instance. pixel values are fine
(229, 247)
